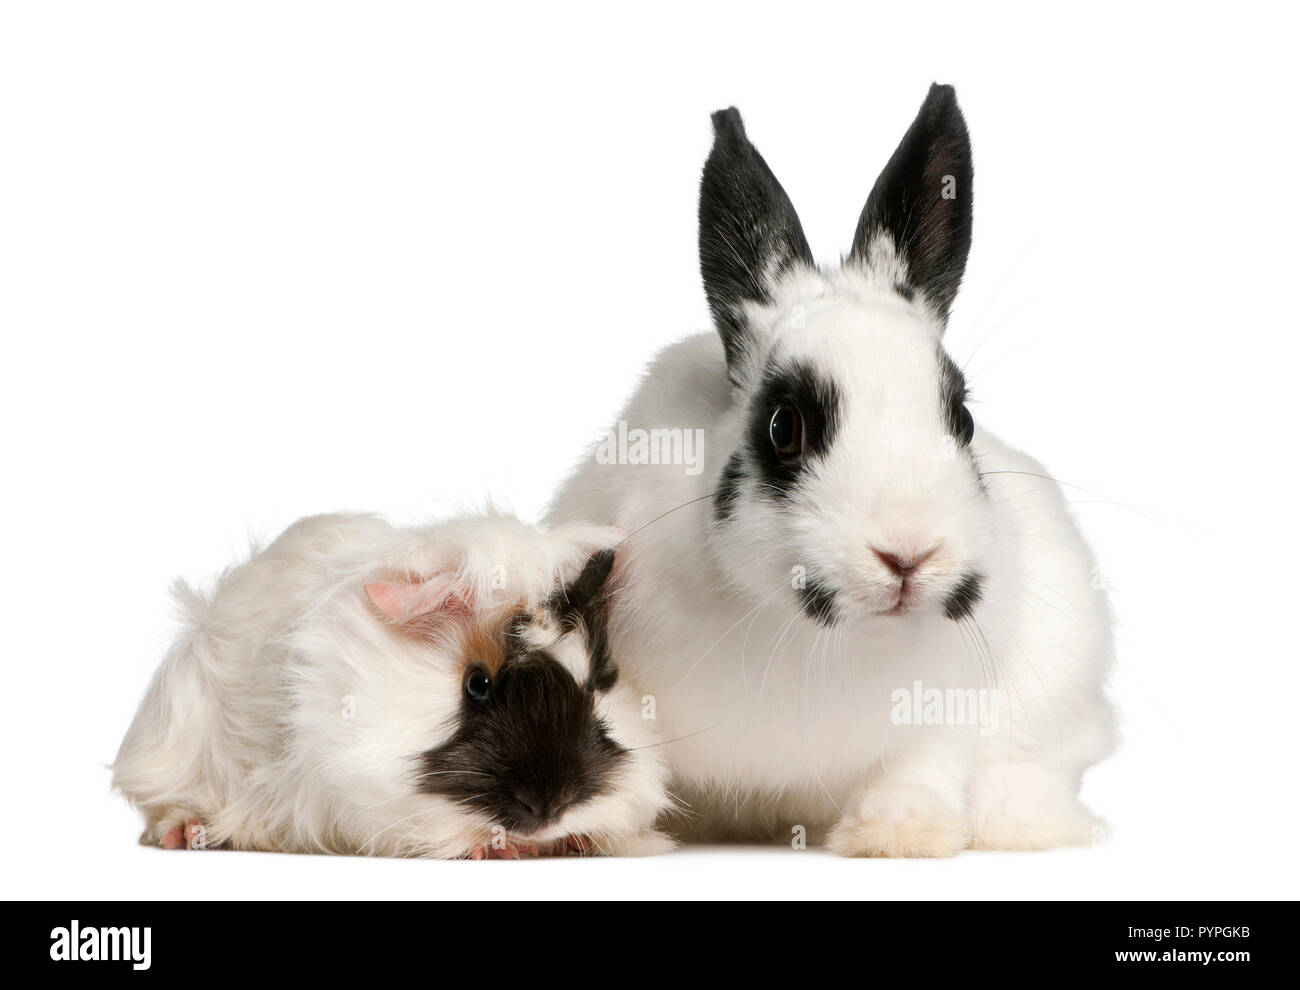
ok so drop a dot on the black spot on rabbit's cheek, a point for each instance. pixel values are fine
(817, 399)
(537, 751)
(904, 290)
(818, 602)
(961, 602)
(727, 493)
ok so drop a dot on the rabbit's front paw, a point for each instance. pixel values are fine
(1027, 806)
(900, 821)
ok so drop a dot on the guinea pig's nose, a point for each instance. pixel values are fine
(903, 562)
(540, 806)
(532, 803)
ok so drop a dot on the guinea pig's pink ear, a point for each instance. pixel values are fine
(407, 601)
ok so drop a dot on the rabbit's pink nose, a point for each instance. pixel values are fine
(903, 563)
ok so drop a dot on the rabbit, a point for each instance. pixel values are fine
(444, 691)
(858, 565)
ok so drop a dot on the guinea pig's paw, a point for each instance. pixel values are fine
(900, 822)
(569, 845)
(501, 848)
(647, 843)
(188, 834)
(577, 845)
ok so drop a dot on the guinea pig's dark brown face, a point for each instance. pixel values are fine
(529, 744)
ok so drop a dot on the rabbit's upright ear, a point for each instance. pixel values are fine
(749, 232)
(919, 211)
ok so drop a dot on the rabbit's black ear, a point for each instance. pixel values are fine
(749, 232)
(920, 207)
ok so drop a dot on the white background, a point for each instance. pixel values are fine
(262, 260)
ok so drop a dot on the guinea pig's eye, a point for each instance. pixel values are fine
(478, 686)
(786, 431)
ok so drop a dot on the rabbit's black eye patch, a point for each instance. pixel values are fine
(793, 419)
(728, 491)
(952, 398)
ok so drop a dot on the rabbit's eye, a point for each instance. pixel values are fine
(965, 426)
(786, 430)
(478, 686)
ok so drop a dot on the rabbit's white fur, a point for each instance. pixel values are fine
(781, 722)
(793, 606)
(287, 715)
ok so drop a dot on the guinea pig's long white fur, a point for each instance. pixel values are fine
(290, 713)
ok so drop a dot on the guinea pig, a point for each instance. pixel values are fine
(445, 691)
